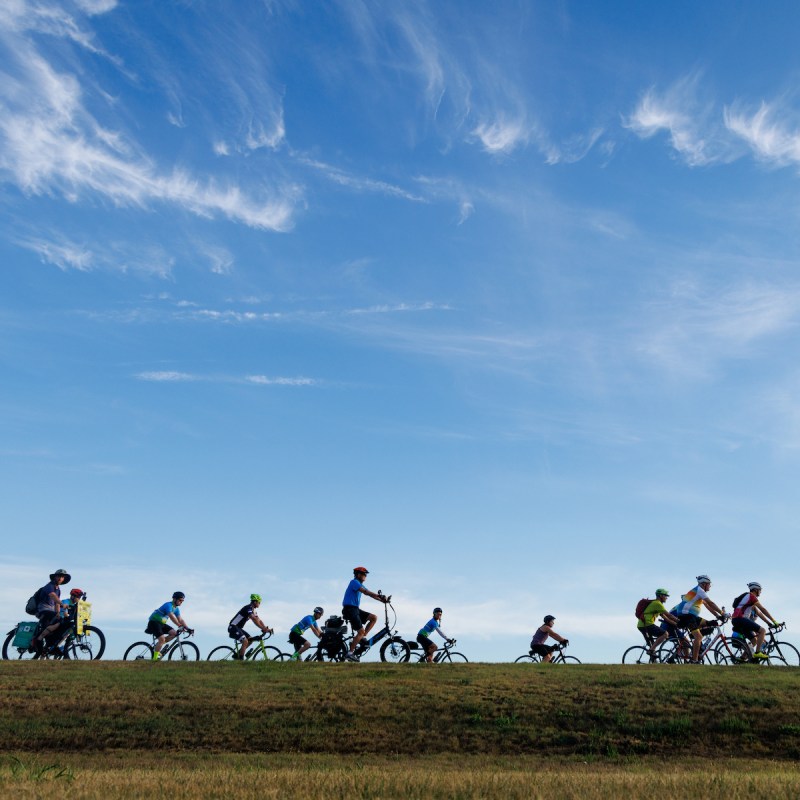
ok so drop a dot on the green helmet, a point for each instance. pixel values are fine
(662, 591)
(255, 598)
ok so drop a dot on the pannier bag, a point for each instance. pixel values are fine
(24, 634)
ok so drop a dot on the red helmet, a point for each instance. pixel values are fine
(361, 569)
(75, 591)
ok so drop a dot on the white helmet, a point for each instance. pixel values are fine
(703, 579)
(754, 585)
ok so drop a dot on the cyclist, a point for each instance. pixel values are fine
(654, 634)
(244, 615)
(423, 637)
(67, 615)
(352, 612)
(538, 645)
(746, 609)
(48, 606)
(688, 613)
(296, 633)
(157, 624)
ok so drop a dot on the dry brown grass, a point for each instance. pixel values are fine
(184, 775)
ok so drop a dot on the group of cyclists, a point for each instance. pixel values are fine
(56, 615)
(686, 615)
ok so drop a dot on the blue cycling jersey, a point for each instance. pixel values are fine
(429, 627)
(304, 624)
(352, 595)
(162, 613)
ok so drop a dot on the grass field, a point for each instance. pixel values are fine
(372, 730)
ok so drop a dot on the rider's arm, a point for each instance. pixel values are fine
(382, 598)
(442, 633)
(764, 614)
(179, 621)
(712, 607)
(554, 635)
(671, 618)
(317, 631)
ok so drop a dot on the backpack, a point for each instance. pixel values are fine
(641, 606)
(737, 600)
(33, 603)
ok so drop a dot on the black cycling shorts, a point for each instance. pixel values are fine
(543, 649)
(747, 627)
(297, 640)
(355, 616)
(158, 628)
(424, 642)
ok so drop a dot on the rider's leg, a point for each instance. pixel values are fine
(244, 644)
(698, 640)
(432, 648)
(360, 633)
(371, 620)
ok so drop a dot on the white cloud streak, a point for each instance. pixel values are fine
(51, 144)
(771, 139)
(171, 376)
(695, 328)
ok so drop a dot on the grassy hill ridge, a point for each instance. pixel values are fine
(600, 711)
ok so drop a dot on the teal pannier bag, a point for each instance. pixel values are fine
(25, 632)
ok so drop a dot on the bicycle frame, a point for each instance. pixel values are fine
(368, 642)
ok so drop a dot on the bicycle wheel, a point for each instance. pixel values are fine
(269, 653)
(456, 658)
(184, 651)
(638, 654)
(785, 653)
(673, 652)
(88, 646)
(737, 652)
(221, 653)
(395, 651)
(15, 653)
(322, 653)
(528, 658)
(565, 660)
(139, 651)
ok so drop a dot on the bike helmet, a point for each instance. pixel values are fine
(75, 591)
(361, 569)
(319, 610)
(178, 596)
(255, 598)
(437, 610)
(548, 619)
(703, 579)
(754, 585)
(662, 591)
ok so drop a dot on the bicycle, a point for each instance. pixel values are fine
(444, 654)
(80, 641)
(395, 649)
(176, 650)
(558, 657)
(256, 651)
(779, 654)
(715, 648)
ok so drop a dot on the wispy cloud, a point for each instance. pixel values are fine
(772, 133)
(358, 183)
(678, 112)
(142, 257)
(64, 255)
(696, 327)
(171, 376)
(51, 144)
(501, 135)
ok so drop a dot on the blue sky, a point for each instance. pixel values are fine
(499, 300)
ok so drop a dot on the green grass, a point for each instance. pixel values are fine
(589, 712)
(208, 730)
